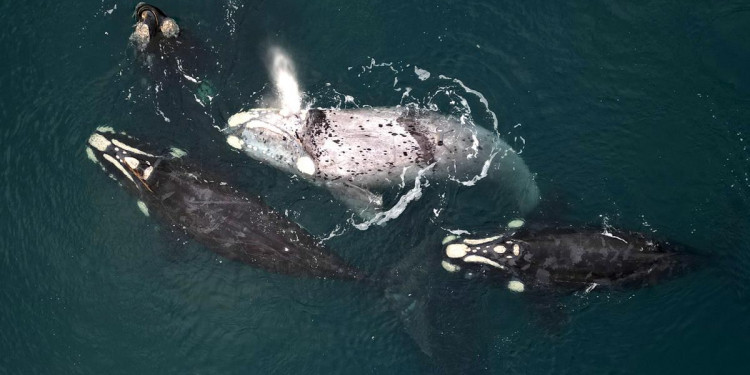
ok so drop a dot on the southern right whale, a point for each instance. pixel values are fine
(568, 258)
(357, 153)
(237, 226)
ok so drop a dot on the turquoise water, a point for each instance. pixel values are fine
(636, 114)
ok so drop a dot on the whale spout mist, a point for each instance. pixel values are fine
(282, 73)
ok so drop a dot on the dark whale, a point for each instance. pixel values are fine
(232, 224)
(568, 258)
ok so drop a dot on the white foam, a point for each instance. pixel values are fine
(483, 174)
(412, 195)
(483, 260)
(421, 73)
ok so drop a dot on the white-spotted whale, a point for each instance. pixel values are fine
(356, 153)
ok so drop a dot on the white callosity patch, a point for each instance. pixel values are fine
(480, 241)
(118, 166)
(517, 223)
(482, 260)
(169, 28)
(90, 155)
(176, 152)
(140, 36)
(130, 148)
(240, 118)
(516, 250)
(98, 142)
(147, 172)
(106, 129)
(132, 162)
(499, 249)
(450, 267)
(306, 165)
(456, 250)
(516, 286)
(235, 142)
(142, 206)
(448, 238)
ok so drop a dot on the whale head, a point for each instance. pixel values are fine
(125, 163)
(272, 137)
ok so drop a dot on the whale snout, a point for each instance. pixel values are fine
(150, 22)
(115, 154)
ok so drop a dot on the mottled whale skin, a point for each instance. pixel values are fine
(232, 224)
(568, 258)
(356, 152)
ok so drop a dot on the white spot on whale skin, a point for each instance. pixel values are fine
(240, 118)
(306, 165)
(142, 206)
(448, 238)
(235, 142)
(516, 250)
(480, 241)
(517, 223)
(499, 249)
(482, 260)
(456, 250)
(98, 142)
(450, 267)
(516, 286)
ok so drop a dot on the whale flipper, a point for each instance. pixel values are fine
(363, 202)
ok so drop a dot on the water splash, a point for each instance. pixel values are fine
(285, 80)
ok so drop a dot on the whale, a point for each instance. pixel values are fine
(359, 153)
(235, 225)
(567, 258)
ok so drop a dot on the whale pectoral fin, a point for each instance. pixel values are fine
(363, 202)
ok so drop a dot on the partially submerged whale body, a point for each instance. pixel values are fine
(567, 258)
(232, 224)
(356, 153)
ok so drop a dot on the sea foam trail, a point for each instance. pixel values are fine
(285, 80)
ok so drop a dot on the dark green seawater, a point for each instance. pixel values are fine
(635, 113)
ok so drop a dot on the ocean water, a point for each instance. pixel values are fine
(631, 114)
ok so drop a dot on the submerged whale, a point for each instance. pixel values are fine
(567, 258)
(232, 224)
(356, 153)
